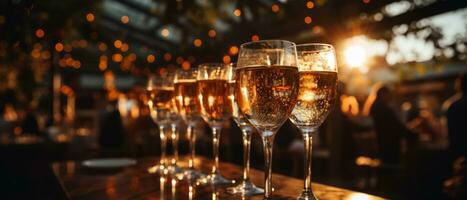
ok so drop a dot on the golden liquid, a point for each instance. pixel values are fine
(237, 114)
(215, 100)
(186, 99)
(161, 96)
(160, 99)
(266, 95)
(316, 98)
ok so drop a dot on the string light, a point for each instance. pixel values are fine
(237, 12)
(150, 58)
(59, 47)
(197, 42)
(179, 60)
(165, 32)
(90, 17)
(103, 63)
(125, 19)
(102, 46)
(124, 47)
(212, 33)
(226, 59)
(186, 65)
(308, 20)
(275, 8)
(40, 33)
(118, 44)
(132, 56)
(167, 56)
(233, 50)
(254, 38)
(310, 4)
(117, 57)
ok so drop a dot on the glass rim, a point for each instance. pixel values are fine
(317, 44)
(262, 41)
(213, 64)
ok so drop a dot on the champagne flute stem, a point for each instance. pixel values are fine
(268, 142)
(246, 133)
(175, 143)
(215, 148)
(163, 144)
(192, 143)
(308, 141)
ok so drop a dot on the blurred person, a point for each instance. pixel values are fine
(29, 123)
(111, 130)
(389, 128)
(457, 121)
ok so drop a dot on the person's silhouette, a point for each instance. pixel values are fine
(389, 128)
(457, 121)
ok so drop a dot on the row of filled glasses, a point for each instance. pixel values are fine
(272, 81)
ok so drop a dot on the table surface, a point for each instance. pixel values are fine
(136, 183)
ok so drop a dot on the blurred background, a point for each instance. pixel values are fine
(73, 70)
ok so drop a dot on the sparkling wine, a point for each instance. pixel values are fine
(266, 95)
(160, 96)
(317, 96)
(160, 103)
(186, 99)
(215, 100)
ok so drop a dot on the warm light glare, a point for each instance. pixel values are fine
(59, 47)
(124, 47)
(237, 12)
(355, 56)
(90, 17)
(167, 56)
(307, 20)
(233, 50)
(118, 44)
(165, 32)
(117, 57)
(150, 58)
(197, 42)
(125, 19)
(212, 33)
(254, 38)
(226, 59)
(186, 65)
(275, 8)
(102, 46)
(40, 33)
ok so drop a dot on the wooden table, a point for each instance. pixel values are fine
(136, 183)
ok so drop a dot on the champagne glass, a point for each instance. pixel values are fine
(174, 118)
(246, 187)
(213, 93)
(266, 91)
(186, 101)
(160, 91)
(316, 97)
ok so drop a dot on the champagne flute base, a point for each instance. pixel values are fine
(158, 169)
(307, 195)
(246, 188)
(174, 169)
(215, 180)
(192, 175)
